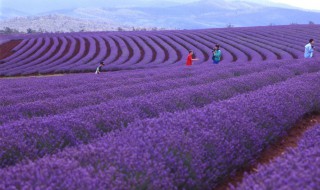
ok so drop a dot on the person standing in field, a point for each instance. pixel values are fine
(98, 70)
(309, 48)
(190, 58)
(216, 54)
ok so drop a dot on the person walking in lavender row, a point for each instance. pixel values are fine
(98, 70)
(309, 48)
(190, 59)
(216, 54)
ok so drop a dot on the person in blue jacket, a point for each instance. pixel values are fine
(309, 48)
(216, 57)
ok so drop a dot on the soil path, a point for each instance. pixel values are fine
(5, 48)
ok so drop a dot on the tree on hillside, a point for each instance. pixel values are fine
(230, 26)
(8, 30)
(30, 31)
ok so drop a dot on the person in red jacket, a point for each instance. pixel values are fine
(190, 59)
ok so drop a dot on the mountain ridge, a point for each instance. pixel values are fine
(195, 15)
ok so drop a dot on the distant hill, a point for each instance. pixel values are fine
(197, 15)
(59, 23)
(208, 14)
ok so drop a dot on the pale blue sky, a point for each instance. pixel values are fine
(305, 4)
(37, 6)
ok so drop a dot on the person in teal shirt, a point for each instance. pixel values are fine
(216, 57)
(309, 48)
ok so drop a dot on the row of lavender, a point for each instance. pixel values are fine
(79, 119)
(298, 168)
(85, 118)
(114, 79)
(88, 91)
(194, 146)
(76, 52)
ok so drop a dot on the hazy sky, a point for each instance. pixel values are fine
(305, 4)
(37, 6)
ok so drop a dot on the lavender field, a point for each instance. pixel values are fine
(154, 123)
(81, 52)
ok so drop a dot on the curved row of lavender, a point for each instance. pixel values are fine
(189, 128)
(298, 168)
(81, 52)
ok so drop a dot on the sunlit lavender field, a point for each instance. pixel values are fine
(148, 121)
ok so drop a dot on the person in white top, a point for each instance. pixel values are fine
(99, 69)
(309, 48)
